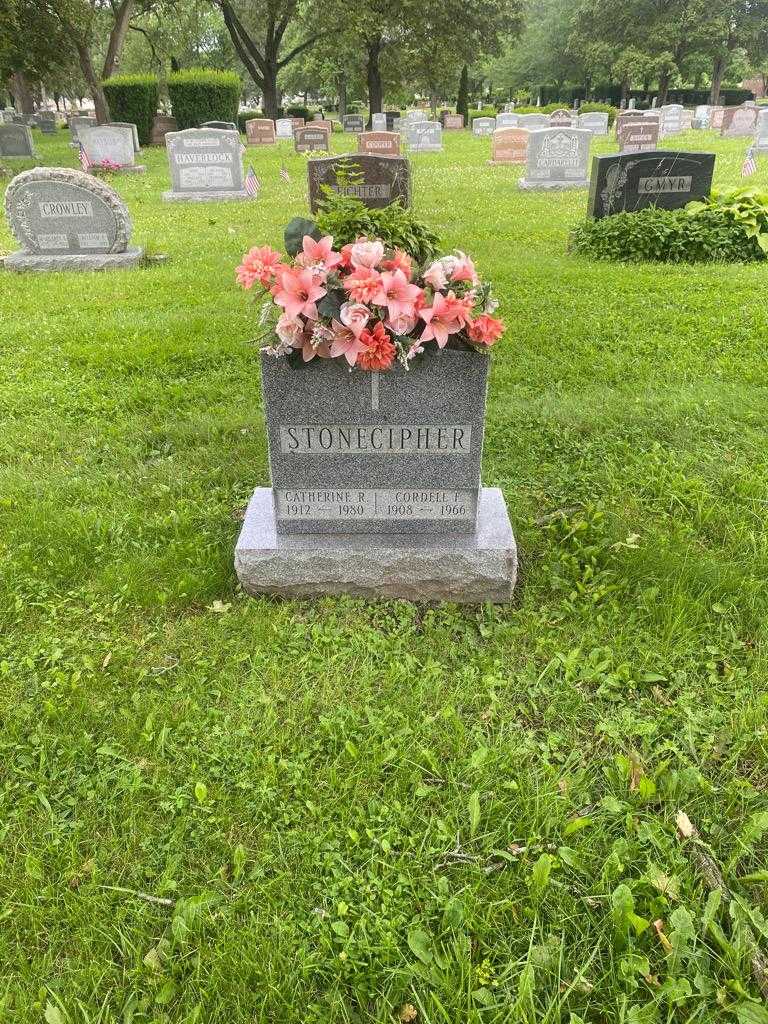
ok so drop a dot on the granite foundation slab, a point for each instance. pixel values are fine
(465, 568)
(551, 186)
(24, 261)
(204, 197)
(126, 169)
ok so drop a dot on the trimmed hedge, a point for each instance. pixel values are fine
(298, 112)
(666, 236)
(200, 95)
(247, 115)
(134, 98)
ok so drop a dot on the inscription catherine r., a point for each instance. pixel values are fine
(383, 439)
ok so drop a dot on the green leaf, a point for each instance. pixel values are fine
(201, 792)
(238, 860)
(53, 1014)
(576, 825)
(541, 872)
(751, 1013)
(166, 993)
(453, 915)
(473, 805)
(295, 232)
(420, 945)
(340, 928)
(330, 304)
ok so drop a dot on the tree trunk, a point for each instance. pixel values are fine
(271, 93)
(375, 91)
(718, 73)
(100, 104)
(342, 85)
(624, 93)
(462, 100)
(663, 88)
(117, 37)
(25, 104)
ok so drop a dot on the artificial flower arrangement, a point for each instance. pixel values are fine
(106, 165)
(366, 303)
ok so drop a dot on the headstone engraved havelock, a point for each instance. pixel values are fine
(666, 178)
(557, 159)
(383, 143)
(376, 181)
(16, 140)
(108, 145)
(371, 497)
(67, 220)
(206, 165)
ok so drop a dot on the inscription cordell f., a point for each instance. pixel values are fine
(357, 439)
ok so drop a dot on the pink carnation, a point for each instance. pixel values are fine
(486, 330)
(363, 284)
(259, 264)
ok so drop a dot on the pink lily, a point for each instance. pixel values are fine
(318, 254)
(297, 291)
(397, 294)
(346, 343)
(440, 319)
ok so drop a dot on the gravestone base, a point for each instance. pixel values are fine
(204, 197)
(551, 186)
(465, 568)
(126, 169)
(25, 261)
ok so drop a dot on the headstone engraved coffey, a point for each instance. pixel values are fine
(133, 128)
(483, 125)
(424, 136)
(76, 123)
(376, 181)
(453, 122)
(638, 135)
(16, 140)
(739, 122)
(354, 123)
(105, 143)
(557, 159)
(383, 143)
(507, 120)
(379, 123)
(260, 131)
(665, 178)
(311, 139)
(509, 146)
(284, 128)
(368, 498)
(206, 165)
(67, 220)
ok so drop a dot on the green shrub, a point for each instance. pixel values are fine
(346, 218)
(487, 111)
(298, 112)
(747, 207)
(199, 95)
(134, 98)
(667, 236)
(603, 108)
(247, 115)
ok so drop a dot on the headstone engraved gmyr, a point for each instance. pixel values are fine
(16, 140)
(379, 122)
(75, 124)
(483, 125)
(67, 220)
(507, 120)
(561, 118)
(453, 122)
(739, 122)
(354, 123)
(761, 134)
(638, 135)
(557, 159)
(383, 143)
(311, 139)
(424, 136)
(631, 182)
(206, 165)
(260, 131)
(376, 485)
(509, 146)
(532, 121)
(134, 131)
(284, 128)
(376, 181)
(594, 121)
(105, 143)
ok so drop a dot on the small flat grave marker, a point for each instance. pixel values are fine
(557, 159)
(383, 143)
(376, 181)
(260, 131)
(666, 178)
(206, 165)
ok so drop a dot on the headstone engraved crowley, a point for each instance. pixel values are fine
(557, 159)
(509, 146)
(376, 181)
(665, 178)
(106, 143)
(379, 123)
(260, 131)
(383, 143)
(67, 220)
(453, 122)
(368, 498)
(311, 139)
(424, 136)
(507, 120)
(16, 140)
(76, 123)
(483, 125)
(206, 164)
(134, 131)
(739, 122)
(284, 128)
(353, 123)
(638, 135)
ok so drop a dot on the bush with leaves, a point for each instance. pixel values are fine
(134, 99)
(247, 115)
(200, 95)
(668, 236)
(747, 207)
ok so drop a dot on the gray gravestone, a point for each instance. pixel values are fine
(78, 122)
(206, 164)
(563, 119)
(507, 120)
(376, 484)
(665, 178)
(416, 115)
(67, 220)
(557, 159)
(227, 126)
(483, 125)
(284, 128)
(702, 114)
(739, 122)
(134, 131)
(109, 143)
(354, 123)
(638, 135)
(379, 123)
(424, 136)
(761, 134)
(310, 139)
(16, 140)
(531, 121)
(376, 181)
(595, 122)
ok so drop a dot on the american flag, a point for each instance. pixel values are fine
(252, 183)
(284, 174)
(750, 164)
(85, 161)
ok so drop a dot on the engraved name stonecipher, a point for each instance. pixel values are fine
(383, 439)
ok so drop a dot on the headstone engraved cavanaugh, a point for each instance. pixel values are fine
(557, 159)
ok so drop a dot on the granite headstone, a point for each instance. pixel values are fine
(507, 120)
(206, 164)
(379, 122)
(483, 125)
(16, 140)
(594, 121)
(665, 178)
(739, 122)
(761, 134)
(260, 131)
(134, 131)
(375, 180)
(78, 122)
(562, 118)
(557, 159)
(424, 136)
(284, 128)
(532, 121)
(639, 134)
(311, 139)
(161, 125)
(226, 126)
(509, 146)
(453, 122)
(383, 143)
(354, 123)
(105, 143)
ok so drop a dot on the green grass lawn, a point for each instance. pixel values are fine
(348, 806)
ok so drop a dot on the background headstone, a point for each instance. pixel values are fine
(483, 125)
(390, 116)
(67, 220)
(453, 122)
(716, 115)
(739, 122)
(106, 142)
(633, 182)
(761, 134)
(532, 121)
(557, 158)
(76, 123)
(561, 118)
(297, 122)
(161, 125)
(671, 123)
(260, 131)
(134, 131)
(354, 123)
(284, 128)
(594, 121)
(416, 115)
(507, 120)
(376, 181)
(383, 143)
(638, 135)
(311, 139)
(424, 136)
(227, 126)
(16, 140)
(323, 122)
(379, 122)
(206, 164)
(509, 146)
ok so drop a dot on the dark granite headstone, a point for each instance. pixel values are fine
(376, 181)
(228, 126)
(638, 134)
(161, 125)
(665, 178)
(354, 123)
(391, 115)
(311, 139)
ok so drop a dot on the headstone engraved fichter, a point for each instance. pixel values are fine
(370, 496)
(376, 181)
(206, 164)
(16, 140)
(557, 159)
(631, 182)
(67, 220)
